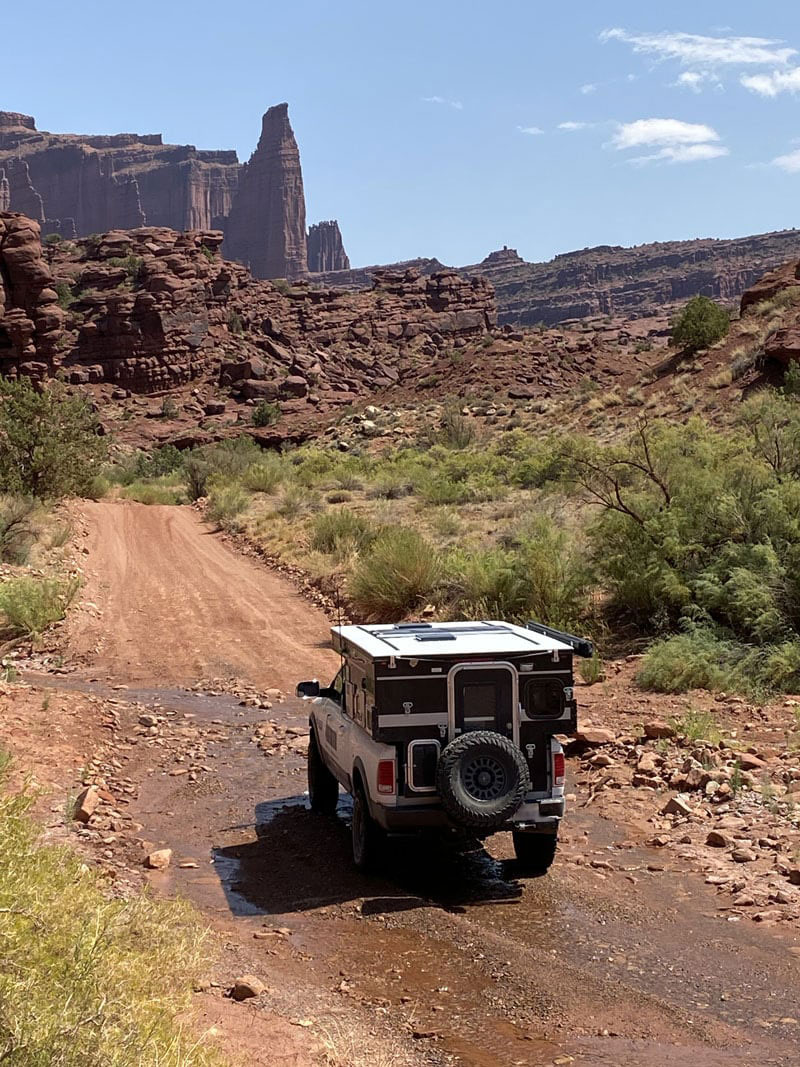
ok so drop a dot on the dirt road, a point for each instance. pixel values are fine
(167, 602)
(617, 957)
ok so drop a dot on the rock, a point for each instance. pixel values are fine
(750, 762)
(148, 720)
(657, 729)
(794, 876)
(717, 839)
(246, 987)
(214, 407)
(325, 247)
(159, 860)
(677, 805)
(266, 228)
(594, 735)
(86, 804)
(743, 855)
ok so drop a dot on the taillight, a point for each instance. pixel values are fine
(386, 776)
(559, 768)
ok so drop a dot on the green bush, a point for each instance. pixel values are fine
(265, 475)
(340, 532)
(197, 472)
(700, 324)
(17, 530)
(99, 487)
(225, 502)
(29, 606)
(694, 660)
(235, 323)
(266, 414)
(158, 493)
(49, 443)
(88, 978)
(164, 460)
(396, 575)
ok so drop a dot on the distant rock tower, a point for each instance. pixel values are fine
(266, 229)
(326, 248)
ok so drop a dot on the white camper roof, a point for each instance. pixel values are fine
(447, 640)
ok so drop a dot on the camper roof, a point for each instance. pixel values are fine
(417, 640)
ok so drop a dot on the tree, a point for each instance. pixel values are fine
(700, 324)
(50, 443)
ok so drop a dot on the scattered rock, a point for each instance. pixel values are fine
(246, 987)
(86, 804)
(159, 860)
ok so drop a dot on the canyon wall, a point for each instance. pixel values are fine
(75, 185)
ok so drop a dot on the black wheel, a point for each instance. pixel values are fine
(323, 789)
(367, 835)
(482, 778)
(535, 852)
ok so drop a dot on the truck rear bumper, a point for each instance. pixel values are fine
(539, 815)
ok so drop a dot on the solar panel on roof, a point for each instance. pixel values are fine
(437, 635)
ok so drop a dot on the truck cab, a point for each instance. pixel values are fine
(449, 725)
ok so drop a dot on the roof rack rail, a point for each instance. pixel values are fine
(581, 645)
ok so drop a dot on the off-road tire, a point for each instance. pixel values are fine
(482, 779)
(535, 852)
(367, 835)
(323, 789)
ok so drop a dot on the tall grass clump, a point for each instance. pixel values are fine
(17, 529)
(265, 475)
(87, 979)
(29, 606)
(340, 532)
(226, 502)
(160, 492)
(396, 575)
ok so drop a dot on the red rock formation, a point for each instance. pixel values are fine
(267, 226)
(326, 248)
(30, 317)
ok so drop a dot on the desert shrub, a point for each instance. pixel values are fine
(484, 584)
(390, 485)
(341, 532)
(694, 660)
(98, 487)
(83, 975)
(157, 492)
(396, 575)
(445, 522)
(457, 430)
(265, 475)
(338, 496)
(591, 670)
(225, 502)
(49, 443)
(28, 606)
(700, 324)
(696, 725)
(164, 460)
(17, 529)
(196, 472)
(131, 264)
(235, 323)
(266, 414)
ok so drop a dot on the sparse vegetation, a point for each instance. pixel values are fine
(235, 323)
(266, 413)
(17, 532)
(83, 975)
(397, 574)
(700, 324)
(29, 606)
(49, 443)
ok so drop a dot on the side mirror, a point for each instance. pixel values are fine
(307, 690)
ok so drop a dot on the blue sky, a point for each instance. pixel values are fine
(418, 122)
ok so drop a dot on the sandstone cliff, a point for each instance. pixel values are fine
(266, 229)
(326, 248)
(75, 185)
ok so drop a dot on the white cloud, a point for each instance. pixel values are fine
(675, 141)
(532, 130)
(456, 104)
(662, 132)
(779, 81)
(588, 89)
(571, 126)
(790, 163)
(684, 153)
(695, 50)
(697, 80)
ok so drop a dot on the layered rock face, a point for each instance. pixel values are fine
(326, 248)
(267, 226)
(151, 310)
(30, 317)
(782, 345)
(76, 185)
(629, 281)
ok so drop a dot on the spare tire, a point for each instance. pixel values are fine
(482, 779)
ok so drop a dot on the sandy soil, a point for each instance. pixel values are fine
(620, 956)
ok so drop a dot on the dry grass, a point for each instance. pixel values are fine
(87, 979)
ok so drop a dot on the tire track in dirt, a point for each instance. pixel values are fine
(175, 604)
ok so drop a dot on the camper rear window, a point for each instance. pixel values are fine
(543, 698)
